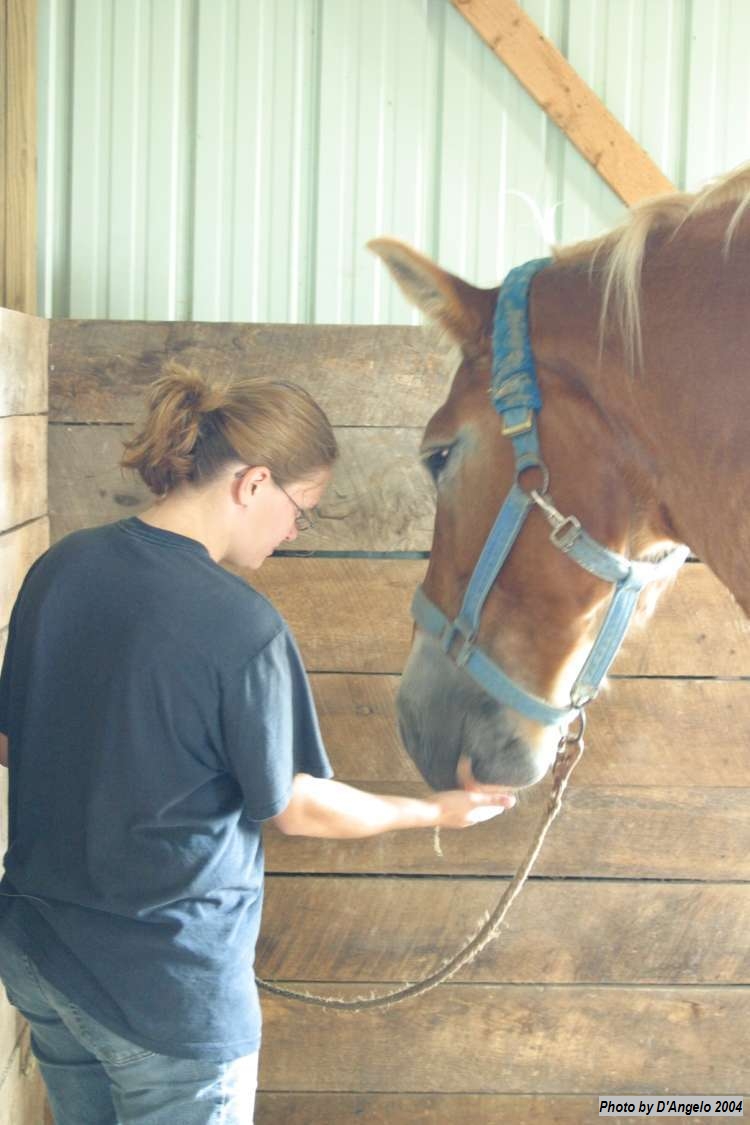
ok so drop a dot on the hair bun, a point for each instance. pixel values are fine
(192, 388)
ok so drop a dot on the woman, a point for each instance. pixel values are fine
(155, 712)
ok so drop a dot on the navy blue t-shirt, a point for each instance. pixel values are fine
(157, 710)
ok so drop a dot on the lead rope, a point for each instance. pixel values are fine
(569, 754)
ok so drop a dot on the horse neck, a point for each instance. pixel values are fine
(680, 422)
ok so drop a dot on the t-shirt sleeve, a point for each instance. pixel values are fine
(270, 727)
(5, 679)
(7, 659)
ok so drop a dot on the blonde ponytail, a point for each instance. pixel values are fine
(194, 428)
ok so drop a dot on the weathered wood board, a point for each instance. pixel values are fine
(430, 1109)
(621, 832)
(23, 469)
(379, 498)
(23, 363)
(358, 929)
(361, 376)
(18, 550)
(639, 732)
(697, 630)
(468, 1038)
(24, 527)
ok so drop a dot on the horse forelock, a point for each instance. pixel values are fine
(620, 252)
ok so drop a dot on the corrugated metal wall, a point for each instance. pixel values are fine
(228, 159)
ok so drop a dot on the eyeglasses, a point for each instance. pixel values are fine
(303, 520)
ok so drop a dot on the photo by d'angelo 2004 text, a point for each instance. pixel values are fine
(707, 1105)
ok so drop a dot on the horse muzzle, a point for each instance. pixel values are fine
(444, 718)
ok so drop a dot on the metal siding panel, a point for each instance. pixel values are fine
(54, 147)
(89, 276)
(253, 126)
(398, 148)
(214, 158)
(737, 97)
(228, 159)
(127, 162)
(717, 98)
(270, 215)
(339, 92)
(170, 149)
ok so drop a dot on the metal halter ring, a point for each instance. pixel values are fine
(534, 463)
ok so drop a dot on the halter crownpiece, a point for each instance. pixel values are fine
(515, 394)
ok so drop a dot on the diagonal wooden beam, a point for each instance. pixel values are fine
(564, 96)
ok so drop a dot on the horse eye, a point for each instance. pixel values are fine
(435, 462)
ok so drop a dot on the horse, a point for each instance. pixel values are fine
(640, 344)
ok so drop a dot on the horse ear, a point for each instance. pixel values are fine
(462, 310)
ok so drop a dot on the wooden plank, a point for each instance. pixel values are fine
(641, 732)
(18, 290)
(362, 376)
(605, 833)
(430, 1109)
(18, 550)
(3, 138)
(23, 363)
(379, 499)
(560, 91)
(697, 630)
(23, 469)
(11, 1029)
(485, 1039)
(363, 929)
(86, 486)
(23, 1093)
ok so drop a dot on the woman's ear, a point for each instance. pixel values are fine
(247, 481)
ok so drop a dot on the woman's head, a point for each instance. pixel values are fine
(195, 429)
(239, 441)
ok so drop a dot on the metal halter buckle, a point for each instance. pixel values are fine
(522, 427)
(565, 529)
(566, 533)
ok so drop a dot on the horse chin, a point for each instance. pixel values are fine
(517, 765)
(444, 718)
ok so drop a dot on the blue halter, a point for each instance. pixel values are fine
(516, 397)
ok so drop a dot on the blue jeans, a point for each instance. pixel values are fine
(94, 1077)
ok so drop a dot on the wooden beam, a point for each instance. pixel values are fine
(550, 79)
(18, 151)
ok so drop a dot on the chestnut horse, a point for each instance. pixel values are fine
(641, 345)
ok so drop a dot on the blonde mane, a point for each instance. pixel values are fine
(625, 246)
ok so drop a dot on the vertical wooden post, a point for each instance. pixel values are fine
(24, 526)
(24, 534)
(18, 154)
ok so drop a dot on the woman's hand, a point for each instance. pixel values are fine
(459, 808)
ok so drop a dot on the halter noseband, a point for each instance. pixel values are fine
(515, 395)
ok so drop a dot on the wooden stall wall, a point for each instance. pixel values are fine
(24, 534)
(625, 965)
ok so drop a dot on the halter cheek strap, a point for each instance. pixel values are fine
(517, 399)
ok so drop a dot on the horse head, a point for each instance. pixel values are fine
(542, 609)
